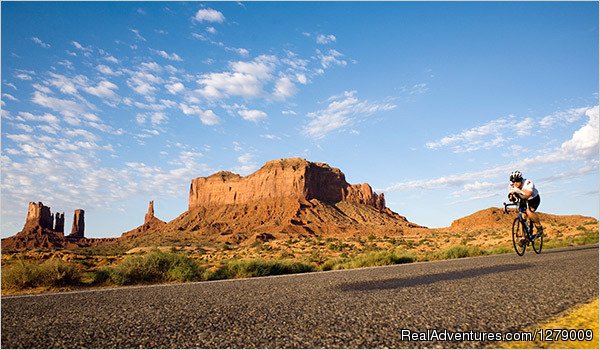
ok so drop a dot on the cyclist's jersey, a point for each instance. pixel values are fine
(529, 186)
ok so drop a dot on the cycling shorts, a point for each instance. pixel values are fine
(532, 203)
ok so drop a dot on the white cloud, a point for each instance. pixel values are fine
(67, 64)
(207, 117)
(42, 88)
(342, 111)
(111, 59)
(104, 89)
(81, 133)
(19, 137)
(140, 118)
(262, 67)
(11, 85)
(454, 180)
(584, 142)
(418, 89)
(107, 70)
(302, 79)
(331, 57)
(252, 115)
(158, 118)
(325, 39)
(499, 132)
(175, 88)
(284, 88)
(245, 80)
(488, 135)
(270, 137)
(67, 85)
(67, 108)
(137, 34)
(240, 51)
(211, 30)
(563, 117)
(170, 57)
(245, 158)
(9, 97)
(23, 76)
(246, 164)
(24, 127)
(86, 50)
(48, 129)
(209, 15)
(38, 41)
(142, 82)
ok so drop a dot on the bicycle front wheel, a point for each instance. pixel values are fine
(537, 243)
(517, 236)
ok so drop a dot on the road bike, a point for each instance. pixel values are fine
(522, 230)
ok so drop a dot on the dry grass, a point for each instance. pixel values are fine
(581, 317)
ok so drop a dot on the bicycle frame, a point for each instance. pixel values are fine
(522, 215)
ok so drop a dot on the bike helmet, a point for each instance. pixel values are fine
(516, 176)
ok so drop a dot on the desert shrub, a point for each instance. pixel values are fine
(460, 251)
(371, 259)
(155, 266)
(258, 267)
(50, 273)
(588, 237)
(101, 275)
(499, 250)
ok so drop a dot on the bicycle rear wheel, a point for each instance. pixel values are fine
(517, 235)
(537, 242)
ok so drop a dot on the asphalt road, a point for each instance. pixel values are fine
(365, 308)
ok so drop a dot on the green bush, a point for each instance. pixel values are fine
(460, 251)
(588, 237)
(257, 268)
(50, 273)
(155, 266)
(499, 250)
(371, 259)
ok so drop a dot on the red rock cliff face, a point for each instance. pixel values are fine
(38, 215)
(292, 178)
(78, 228)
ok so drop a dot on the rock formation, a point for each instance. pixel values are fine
(150, 214)
(38, 216)
(43, 230)
(291, 179)
(77, 231)
(287, 196)
(59, 222)
(151, 224)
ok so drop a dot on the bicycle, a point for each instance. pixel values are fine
(522, 229)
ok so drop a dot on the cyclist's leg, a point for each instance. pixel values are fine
(532, 206)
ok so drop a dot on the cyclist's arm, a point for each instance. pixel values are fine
(525, 194)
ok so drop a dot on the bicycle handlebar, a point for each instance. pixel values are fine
(513, 204)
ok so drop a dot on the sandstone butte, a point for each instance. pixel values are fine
(291, 196)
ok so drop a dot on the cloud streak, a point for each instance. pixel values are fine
(342, 111)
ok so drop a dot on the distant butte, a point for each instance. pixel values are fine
(287, 196)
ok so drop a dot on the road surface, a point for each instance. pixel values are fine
(364, 308)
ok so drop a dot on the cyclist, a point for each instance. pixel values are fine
(530, 198)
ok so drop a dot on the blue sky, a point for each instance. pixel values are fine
(106, 106)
